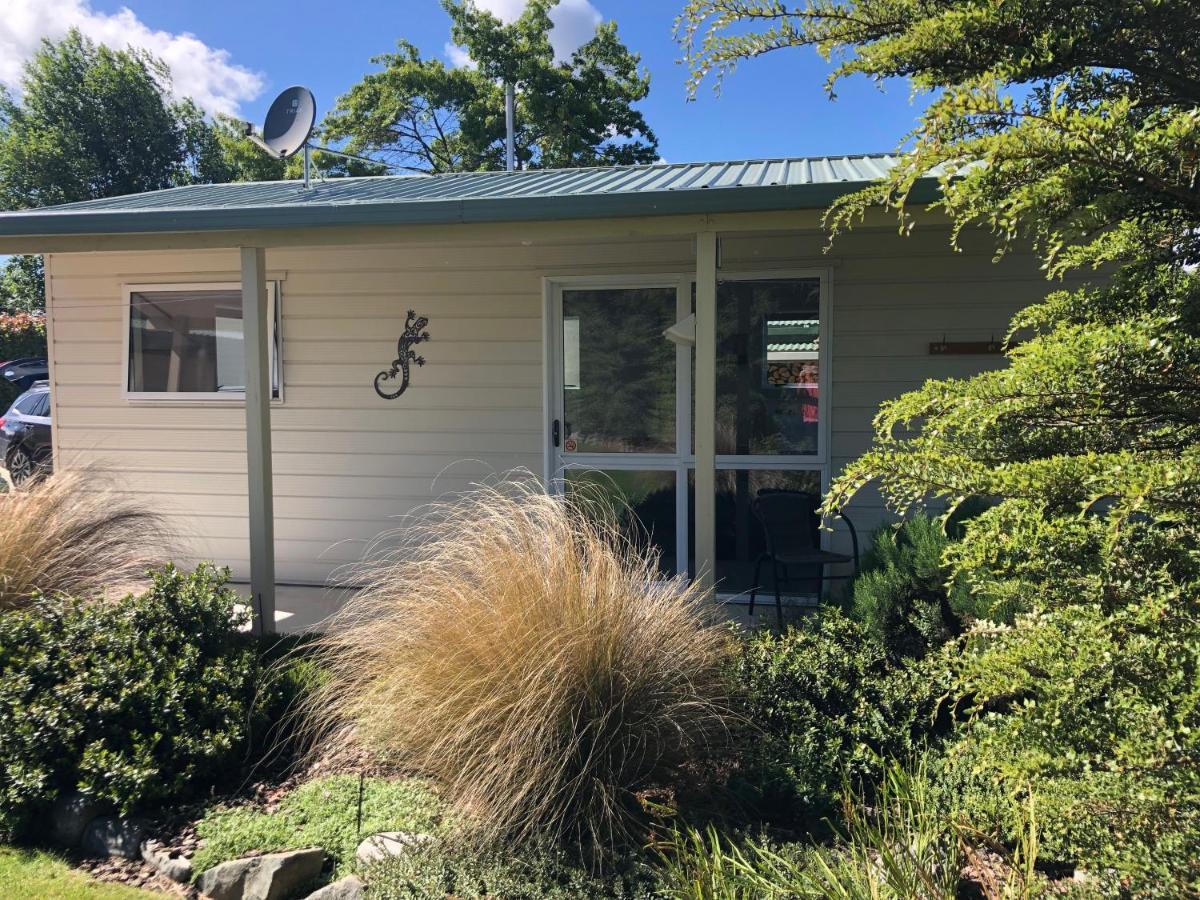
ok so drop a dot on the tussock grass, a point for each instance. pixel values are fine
(72, 535)
(522, 653)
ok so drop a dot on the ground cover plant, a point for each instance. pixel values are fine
(137, 702)
(323, 812)
(73, 536)
(524, 655)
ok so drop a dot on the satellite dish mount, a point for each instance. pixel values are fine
(288, 130)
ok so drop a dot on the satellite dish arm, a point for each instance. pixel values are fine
(263, 145)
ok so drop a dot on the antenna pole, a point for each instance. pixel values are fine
(307, 166)
(510, 101)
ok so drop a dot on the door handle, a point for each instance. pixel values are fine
(556, 433)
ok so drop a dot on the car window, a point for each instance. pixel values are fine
(26, 404)
(43, 406)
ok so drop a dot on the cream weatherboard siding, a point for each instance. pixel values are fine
(348, 465)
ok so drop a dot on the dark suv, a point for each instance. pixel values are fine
(25, 435)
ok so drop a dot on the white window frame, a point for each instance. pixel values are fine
(275, 348)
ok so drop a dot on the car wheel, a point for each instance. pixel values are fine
(20, 466)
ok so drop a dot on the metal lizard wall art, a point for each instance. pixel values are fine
(414, 333)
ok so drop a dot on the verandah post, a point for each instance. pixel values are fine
(706, 405)
(257, 330)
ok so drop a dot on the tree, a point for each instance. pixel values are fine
(420, 115)
(1075, 125)
(94, 122)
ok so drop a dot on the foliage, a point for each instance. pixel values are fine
(901, 598)
(897, 844)
(1074, 127)
(22, 334)
(520, 652)
(320, 813)
(36, 875)
(826, 705)
(137, 701)
(421, 115)
(72, 536)
(23, 287)
(447, 869)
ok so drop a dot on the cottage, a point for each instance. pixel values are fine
(284, 370)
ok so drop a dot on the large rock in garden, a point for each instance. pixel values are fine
(172, 864)
(276, 876)
(71, 813)
(113, 836)
(388, 844)
(349, 888)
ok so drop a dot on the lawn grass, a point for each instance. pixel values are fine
(36, 875)
(322, 813)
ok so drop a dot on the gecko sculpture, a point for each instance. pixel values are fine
(414, 333)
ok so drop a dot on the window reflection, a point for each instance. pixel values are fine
(642, 503)
(768, 367)
(618, 371)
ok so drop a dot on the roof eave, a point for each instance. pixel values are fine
(35, 223)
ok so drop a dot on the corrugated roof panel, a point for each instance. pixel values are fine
(661, 188)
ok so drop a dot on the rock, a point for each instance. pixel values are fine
(276, 876)
(387, 844)
(113, 836)
(71, 814)
(171, 863)
(349, 888)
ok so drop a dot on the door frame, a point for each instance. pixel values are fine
(683, 461)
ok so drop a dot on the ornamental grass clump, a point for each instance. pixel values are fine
(71, 535)
(522, 653)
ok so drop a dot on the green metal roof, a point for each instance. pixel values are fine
(543, 194)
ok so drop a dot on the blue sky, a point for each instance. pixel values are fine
(243, 51)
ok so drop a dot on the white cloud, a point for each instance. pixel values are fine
(204, 73)
(574, 21)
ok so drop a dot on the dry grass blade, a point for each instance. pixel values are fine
(521, 652)
(73, 535)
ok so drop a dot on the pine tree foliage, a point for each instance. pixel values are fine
(1073, 125)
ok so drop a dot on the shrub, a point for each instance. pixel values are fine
(71, 535)
(826, 704)
(135, 702)
(320, 813)
(524, 655)
(902, 597)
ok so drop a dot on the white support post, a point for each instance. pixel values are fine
(706, 407)
(257, 330)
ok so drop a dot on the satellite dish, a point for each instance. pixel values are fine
(289, 126)
(290, 121)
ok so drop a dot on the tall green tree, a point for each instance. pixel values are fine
(420, 115)
(94, 122)
(1074, 125)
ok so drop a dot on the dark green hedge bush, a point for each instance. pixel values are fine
(904, 598)
(825, 706)
(137, 702)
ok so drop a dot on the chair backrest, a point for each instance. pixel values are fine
(789, 519)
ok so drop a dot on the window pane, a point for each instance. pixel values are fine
(643, 503)
(27, 405)
(740, 538)
(618, 371)
(186, 342)
(767, 366)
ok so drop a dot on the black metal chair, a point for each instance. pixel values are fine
(791, 526)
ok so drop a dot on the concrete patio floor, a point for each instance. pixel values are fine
(302, 608)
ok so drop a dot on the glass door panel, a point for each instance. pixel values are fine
(618, 371)
(642, 503)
